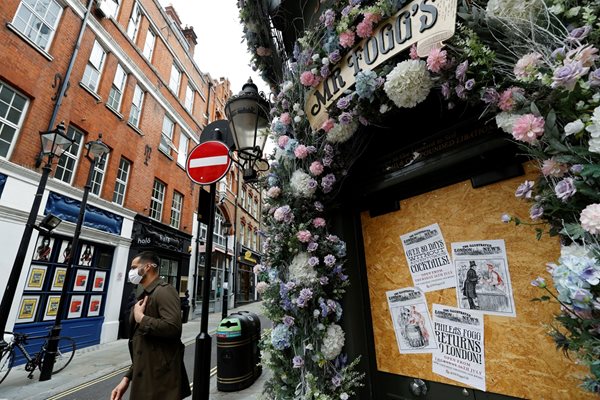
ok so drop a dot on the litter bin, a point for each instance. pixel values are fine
(254, 323)
(185, 309)
(237, 352)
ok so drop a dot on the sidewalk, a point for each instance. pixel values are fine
(98, 361)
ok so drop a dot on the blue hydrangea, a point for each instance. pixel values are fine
(290, 147)
(278, 127)
(331, 42)
(280, 337)
(366, 84)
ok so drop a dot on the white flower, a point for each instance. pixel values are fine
(287, 85)
(314, 71)
(300, 112)
(302, 184)
(261, 287)
(309, 346)
(384, 108)
(594, 144)
(325, 61)
(297, 119)
(316, 313)
(513, 9)
(333, 342)
(556, 9)
(594, 127)
(574, 250)
(316, 57)
(300, 270)
(574, 127)
(296, 107)
(340, 133)
(344, 396)
(408, 83)
(590, 219)
(505, 121)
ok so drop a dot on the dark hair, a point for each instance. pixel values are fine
(148, 257)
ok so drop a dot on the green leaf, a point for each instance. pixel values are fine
(535, 110)
(591, 171)
(574, 231)
(551, 119)
(556, 145)
(538, 233)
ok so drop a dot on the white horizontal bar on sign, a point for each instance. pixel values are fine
(208, 161)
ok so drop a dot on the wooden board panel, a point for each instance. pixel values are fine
(521, 359)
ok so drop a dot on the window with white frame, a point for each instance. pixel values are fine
(65, 170)
(175, 79)
(134, 21)
(149, 45)
(156, 202)
(37, 20)
(256, 211)
(243, 198)
(189, 98)
(183, 149)
(12, 111)
(109, 7)
(121, 181)
(136, 106)
(116, 91)
(166, 139)
(176, 207)
(243, 234)
(254, 241)
(93, 69)
(99, 173)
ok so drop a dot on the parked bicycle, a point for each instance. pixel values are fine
(15, 340)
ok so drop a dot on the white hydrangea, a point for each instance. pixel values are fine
(261, 287)
(575, 250)
(514, 9)
(408, 83)
(302, 184)
(333, 342)
(300, 270)
(505, 121)
(594, 130)
(340, 133)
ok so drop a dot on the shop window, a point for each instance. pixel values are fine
(37, 20)
(175, 79)
(121, 181)
(149, 45)
(156, 202)
(189, 99)
(134, 21)
(136, 106)
(116, 90)
(182, 151)
(93, 69)
(65, 170)
(12, 110)
(98, 176)
(166, 139)
(176, 207)
(169, 270)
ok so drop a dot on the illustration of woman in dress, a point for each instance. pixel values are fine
(86, 256)
(43, 250)
(67, 254)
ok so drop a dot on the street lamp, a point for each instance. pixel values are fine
(248, 118)
(96, 149)
(54, 143)
(226, 225)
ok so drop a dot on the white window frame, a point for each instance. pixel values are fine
(4, 122)
(40, 17)
(149, 47)
(69, 154)
(116, 90)
(182, 151)
(94, 67)
(176, 209)
(100, 167)
(189, 99)
(157, 200)
(242, 233)
(175, 79)
(135, 19)
(166, 137)
(137, 103)
(121, 181)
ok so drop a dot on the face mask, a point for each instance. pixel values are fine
(134, 277)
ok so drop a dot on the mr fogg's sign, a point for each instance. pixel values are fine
(424, 22)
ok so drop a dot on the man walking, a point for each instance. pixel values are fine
(157, 370)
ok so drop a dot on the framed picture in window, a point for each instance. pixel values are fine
(59, 278)
(94, 307)
(35, 279)
(65, 253)
(99, 280)
(75, 306)
(87, 255)
(51, 307)
(43, 248)
(81, 280)
(28, 308)
(183, 286)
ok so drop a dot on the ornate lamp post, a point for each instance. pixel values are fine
(54, 143)
(96, 149)
(227, 225)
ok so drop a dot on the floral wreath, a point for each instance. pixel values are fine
(533, 66)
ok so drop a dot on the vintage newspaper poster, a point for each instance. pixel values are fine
(482, 278)
(412, 324)
(428, 259)
(461, 354)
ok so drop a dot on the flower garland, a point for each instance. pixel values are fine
(533, 65)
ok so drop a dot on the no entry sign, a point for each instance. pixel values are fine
(208, 162)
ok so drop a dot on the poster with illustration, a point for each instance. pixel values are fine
(28, 308)
(51, 307)
(81, 279)
(59, 278)
(65, 253)
(87, 255)
(94, 307)
(411, 321)
(482, 277)
(75, 306)
(43, 248)
(99, 279)
(35, 279)
(428, 259)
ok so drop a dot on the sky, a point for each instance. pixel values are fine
(220, 50)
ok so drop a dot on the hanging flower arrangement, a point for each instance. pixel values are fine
(532, 64)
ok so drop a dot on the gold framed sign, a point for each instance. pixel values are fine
(36, 277)
(51, 307)
(28, 309)
(59, 278)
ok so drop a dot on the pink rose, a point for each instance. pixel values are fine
(285, 118)
(328, 125)
(318, 222)
(551, 167)
(304, 236)
(436, 60)
(507, 101)
(316, 168)
(528, 128)
(282, 141)
(301, 151)
(347, 38)
(307, 78)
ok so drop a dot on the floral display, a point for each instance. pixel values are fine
(532, 66)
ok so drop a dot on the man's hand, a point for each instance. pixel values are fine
(120, 390)
(138, 310)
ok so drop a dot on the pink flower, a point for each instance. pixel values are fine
(307, 78)
(527, 65)
(328, 125)
(304, 236)
(274, 192)
(318, 222)
(590, 219)
(507, 101)
(301, 151)
(372, 18)
(263, 51)
(528, 128)
(285, 118)
(364, 29)
(282, 141)
(316, 168)
(587, 55)
(551, 167)
(347, 38)
(413, 52)
(436, 59)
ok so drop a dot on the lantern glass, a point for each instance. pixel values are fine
(96, 149)
(55, 142)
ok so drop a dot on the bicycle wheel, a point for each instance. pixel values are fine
(6, 362)
(65, 353)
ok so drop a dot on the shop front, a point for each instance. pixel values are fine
(245, 280)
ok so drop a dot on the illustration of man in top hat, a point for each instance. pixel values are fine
(470, 285)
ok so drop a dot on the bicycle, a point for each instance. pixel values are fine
(64, 355)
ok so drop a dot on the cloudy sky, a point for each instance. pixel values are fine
(220, 50)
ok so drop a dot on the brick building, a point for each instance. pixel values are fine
(134, 80)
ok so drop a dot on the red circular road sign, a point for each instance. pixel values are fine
(208, 162)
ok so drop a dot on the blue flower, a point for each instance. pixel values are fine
(366, 84)
(280, 337)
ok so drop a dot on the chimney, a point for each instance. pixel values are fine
(173, 14)
(190, 36)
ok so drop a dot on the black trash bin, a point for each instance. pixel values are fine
(255, 328)
(237, 352)
(185, 312)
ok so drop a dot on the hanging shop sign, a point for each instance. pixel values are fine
(421, 22)
(148, 237)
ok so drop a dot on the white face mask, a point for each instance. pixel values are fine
(134, 276)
